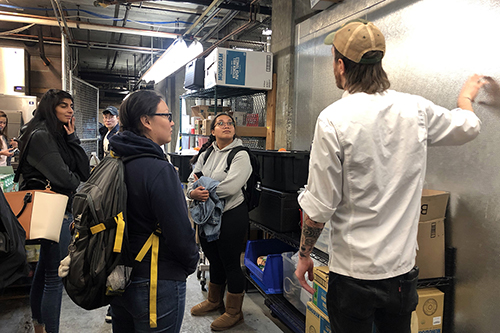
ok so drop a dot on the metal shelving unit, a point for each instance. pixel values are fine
(284, 310)
(243, 100)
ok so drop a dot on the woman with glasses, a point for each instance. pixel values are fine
(51, 155)
(5, 151)
(155, 199)
(225, 252)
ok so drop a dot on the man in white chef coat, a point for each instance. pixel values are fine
(366, 174)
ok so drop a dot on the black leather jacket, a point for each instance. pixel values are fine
(59, 159)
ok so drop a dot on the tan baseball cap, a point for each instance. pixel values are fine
(355, 38)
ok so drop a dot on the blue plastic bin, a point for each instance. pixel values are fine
(271, 279)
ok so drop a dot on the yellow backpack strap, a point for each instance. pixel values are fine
(153, 242)
(120, 229)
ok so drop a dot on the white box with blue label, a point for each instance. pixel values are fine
(239, 68)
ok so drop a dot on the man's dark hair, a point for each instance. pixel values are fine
(367, 78)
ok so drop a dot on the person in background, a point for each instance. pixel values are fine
(5, 151)
(366, 174)
(51, 155)
(225, 252)
(111, 127)
(155, 199)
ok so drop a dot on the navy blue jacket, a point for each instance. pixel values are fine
(155, 197)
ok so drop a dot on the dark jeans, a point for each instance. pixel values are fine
(46, 289)
(354, 305)
(224, 254)
(130, 312)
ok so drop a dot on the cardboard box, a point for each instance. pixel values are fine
(321, 274)
(205, 111)
(239, 68)
(430, 253)
(433, 204)
(319, 298)
(205, 128)
(320, 285)
(430, 310)
(322, 4)
(239, 118)
(316, 321)
(198, 124)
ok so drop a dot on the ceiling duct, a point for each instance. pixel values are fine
(25, 18)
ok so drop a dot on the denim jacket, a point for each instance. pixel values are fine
(208, 214)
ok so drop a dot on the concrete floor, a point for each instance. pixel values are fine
(15, 315)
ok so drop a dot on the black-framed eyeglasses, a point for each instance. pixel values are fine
(222, 124)
(169, 115)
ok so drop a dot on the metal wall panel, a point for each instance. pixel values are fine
(86, 106)
(432, 47)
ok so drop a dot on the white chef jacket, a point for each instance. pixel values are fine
(366, 174)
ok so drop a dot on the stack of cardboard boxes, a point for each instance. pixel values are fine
(430, 260)
(317, 314)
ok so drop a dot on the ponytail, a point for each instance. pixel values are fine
(205, 146)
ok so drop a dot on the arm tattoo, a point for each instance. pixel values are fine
(310, 233)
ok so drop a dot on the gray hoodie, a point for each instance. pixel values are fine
(230, 182)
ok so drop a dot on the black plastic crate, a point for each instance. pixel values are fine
(279, 211)
(283, 171)
(195, 74)
(182, 162)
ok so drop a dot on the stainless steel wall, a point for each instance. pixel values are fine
(432, 47)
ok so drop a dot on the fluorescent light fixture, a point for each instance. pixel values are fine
(175, 57)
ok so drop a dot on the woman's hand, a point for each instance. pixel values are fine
(7, 152)
(70, 126)
(199, 194)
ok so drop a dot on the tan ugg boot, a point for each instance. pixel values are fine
(214, 302)
(233, 314)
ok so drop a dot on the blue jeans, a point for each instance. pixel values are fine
(130, 312)
(354, 305)
(46, 289)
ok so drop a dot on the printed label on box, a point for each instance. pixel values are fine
(252, 119)
(436, 320)
(319, 298)
(236, 66)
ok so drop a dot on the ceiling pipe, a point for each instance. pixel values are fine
(210, 9)
(229, 5)
(112, 37)
(45, 60)
(207, 21)
(24, 18)
(225, 21)
(167, 8)
(84, 44)
(121, 36)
